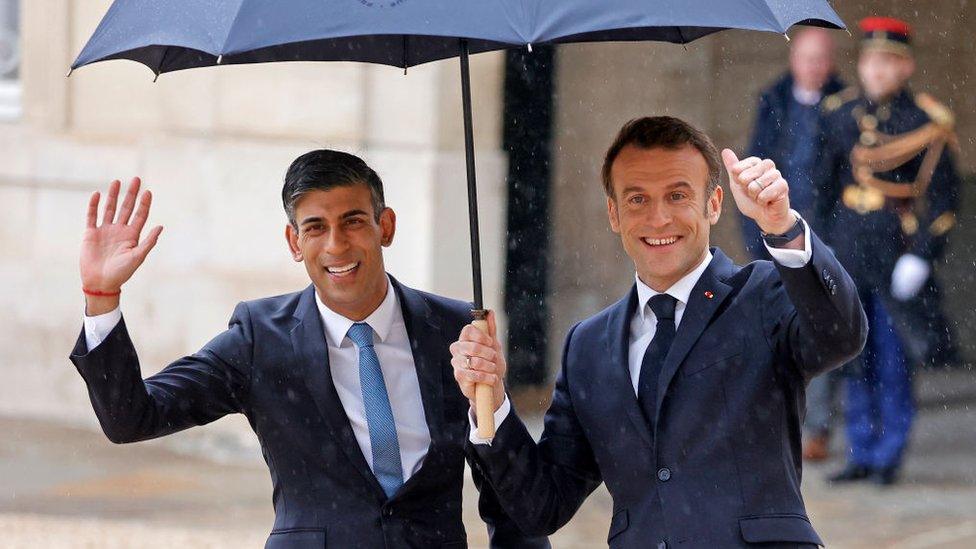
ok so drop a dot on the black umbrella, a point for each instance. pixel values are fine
(168, 36)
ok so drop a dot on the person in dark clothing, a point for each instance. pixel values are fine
(889, 196)
(346, 384)
(788, 124)
(788, 131)
(686, 396)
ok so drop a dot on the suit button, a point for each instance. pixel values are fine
(664, 474)
(388, 512)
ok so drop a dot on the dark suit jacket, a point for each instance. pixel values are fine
(272, 364)
(723, 467)
(773, 138)
(769, 137)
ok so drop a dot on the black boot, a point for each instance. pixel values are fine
(885, 476)
(850, 473)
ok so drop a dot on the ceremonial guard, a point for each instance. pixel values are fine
(889, 195)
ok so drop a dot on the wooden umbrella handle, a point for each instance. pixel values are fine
(483, 395)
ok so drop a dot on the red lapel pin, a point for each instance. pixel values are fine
(709, 295)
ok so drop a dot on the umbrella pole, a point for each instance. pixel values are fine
(484, 399)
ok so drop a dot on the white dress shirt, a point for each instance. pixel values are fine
(643, 325)
(806, 97)
(392, 346)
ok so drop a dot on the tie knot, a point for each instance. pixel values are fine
(663, 306)
(361, 334)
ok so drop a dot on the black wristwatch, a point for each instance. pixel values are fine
(781, 240)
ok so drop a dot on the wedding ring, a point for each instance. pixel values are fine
(467, 363)
(761, 186)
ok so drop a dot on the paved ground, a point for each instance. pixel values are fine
(64, 487)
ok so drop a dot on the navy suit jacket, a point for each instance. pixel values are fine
(722, 468)
(272, 365)
(773, 138)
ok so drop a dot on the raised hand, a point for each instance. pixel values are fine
(111, 251)
(477, 357)
(760, 192)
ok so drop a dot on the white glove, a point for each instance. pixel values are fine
(911, 271)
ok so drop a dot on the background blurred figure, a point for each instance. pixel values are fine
(890, 193)
(788, 131)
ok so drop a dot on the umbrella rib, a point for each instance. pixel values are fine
(772, 15)
(162, 61)
(681, 35)
(230, 28)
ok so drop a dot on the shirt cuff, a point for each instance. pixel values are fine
(98, 327)
(500, 414)
(793, 259)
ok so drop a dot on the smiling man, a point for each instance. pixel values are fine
(686, 396)
(347, 383)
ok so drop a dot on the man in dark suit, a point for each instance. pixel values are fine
(789, 131)
(686, 396)
(788, 126)
(347, 383)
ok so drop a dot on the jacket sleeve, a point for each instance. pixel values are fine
(194, 390)
(942, 199)
(503, 532)
(541, 486)
(812, 315)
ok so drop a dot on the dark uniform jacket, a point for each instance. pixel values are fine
(876, 159)
(272, 365)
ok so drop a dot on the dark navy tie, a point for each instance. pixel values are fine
(663, 306)
(379, 414)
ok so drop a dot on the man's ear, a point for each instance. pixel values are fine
(291, 235)
(613, 214)
(387, 226)
(714, 205)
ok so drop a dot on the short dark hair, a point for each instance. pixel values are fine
(664, 132)
(325, 169)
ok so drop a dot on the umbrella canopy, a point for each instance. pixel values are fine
(170, 36)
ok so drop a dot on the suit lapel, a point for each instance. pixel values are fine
(427, 345)
(308, 342)
(618, 343)
(706, 299)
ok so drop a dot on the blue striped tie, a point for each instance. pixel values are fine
(379, 414)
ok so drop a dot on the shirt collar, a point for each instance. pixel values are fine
(680, 290)
(380, 320)
(806, 97)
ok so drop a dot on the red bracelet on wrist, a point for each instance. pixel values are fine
(97, 293)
